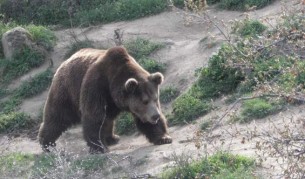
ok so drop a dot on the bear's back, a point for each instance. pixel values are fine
(69, 76)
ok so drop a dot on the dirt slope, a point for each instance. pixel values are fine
(183, 54)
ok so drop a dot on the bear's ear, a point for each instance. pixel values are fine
(131, 84)
(156, 78)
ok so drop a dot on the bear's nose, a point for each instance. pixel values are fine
(156, 117)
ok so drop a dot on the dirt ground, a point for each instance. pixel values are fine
(184, 52)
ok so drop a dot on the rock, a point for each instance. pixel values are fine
(14, 40)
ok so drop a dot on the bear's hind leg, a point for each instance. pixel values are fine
(49, 133)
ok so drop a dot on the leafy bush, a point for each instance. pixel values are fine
(13, 120)
(125, 124)
(249, 28)
(42, 36)
(3, 92)
(218, 78)
(21, 63)
(213, 1)
(187, 108)
(28, 88)
(65, 12)
(168, 94)
(216, 166)
(244, 4)
(77, 45)
(34, 86)
(140, 49)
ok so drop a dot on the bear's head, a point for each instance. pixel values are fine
(143, 97)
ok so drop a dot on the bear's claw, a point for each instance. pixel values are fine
(164, 140)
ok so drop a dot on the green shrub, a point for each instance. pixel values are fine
(57, 12)
(10, 104)
(168, 94)
(140, 49)
(258, 108)
(34, 86)
(13, 120)
(42, 36)
(125, 124)
(21, 63)
(3, 92)
(187, 108)
(249, 28)
(27, 89)
(151, 65)
(214, 166)
(244, 4)
(218, 78)
(213, 1)
(77, 45)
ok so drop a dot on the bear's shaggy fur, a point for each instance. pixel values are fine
(92, 87)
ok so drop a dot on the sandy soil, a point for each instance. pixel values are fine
(183, 54)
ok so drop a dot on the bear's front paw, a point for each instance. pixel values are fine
(164, 140)
(112, 140)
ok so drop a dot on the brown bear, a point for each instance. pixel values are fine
(92, 87)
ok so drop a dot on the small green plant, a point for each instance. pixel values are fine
(187, 108)
(77, 45)
(90, 163)
(258, 108)
(243, 5)
(141, 47)
(13, 120)
(206, 124)
(125, 124)
(249, 28)
(218, 165)
(168, 94)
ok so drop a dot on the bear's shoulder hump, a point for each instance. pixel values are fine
(117, 53)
